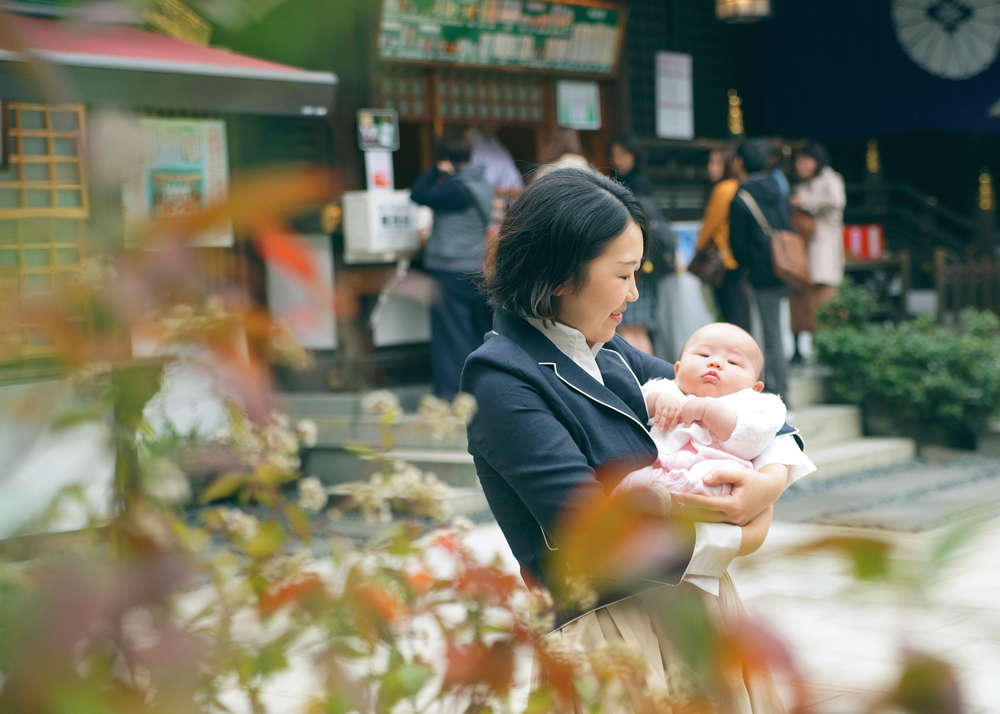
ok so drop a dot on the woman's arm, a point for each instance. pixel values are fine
(716, 214)
(755, 532)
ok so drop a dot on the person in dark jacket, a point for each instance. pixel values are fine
(561, 415)
(751, 248)
(462, 201)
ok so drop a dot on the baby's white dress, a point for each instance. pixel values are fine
(688, 454)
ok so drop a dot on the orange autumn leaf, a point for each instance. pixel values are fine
(419, 581)
(307, 588)
(486, 583)
(381, 602)
(254, 199)
(285, 250)
(557, 673)
(478, 663)
(618, 537)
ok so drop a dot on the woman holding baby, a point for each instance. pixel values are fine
(564, 402)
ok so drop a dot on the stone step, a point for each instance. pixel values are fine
(859, 455)
(339, 431)
(808, 386)
(334, 466)
(826, 424)
(328, 404)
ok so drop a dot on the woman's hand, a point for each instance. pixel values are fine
(753, 493)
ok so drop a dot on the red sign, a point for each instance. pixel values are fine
(864, 241)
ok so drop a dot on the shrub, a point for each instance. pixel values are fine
(920, 371)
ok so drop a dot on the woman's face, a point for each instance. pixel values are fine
(623, 160)
(595, 307)
(805, 167)
(716, 167)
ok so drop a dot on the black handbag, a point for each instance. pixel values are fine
(707, 264)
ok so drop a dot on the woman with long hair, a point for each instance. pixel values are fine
(821, 196)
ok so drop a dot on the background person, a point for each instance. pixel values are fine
(752, 249)
(462, 201)
(730, 297)
(628, 160)
(544, 438)
(820, 195)
(562, 150)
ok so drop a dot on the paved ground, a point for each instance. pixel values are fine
(940, 488)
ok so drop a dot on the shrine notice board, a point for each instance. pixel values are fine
(522, 34)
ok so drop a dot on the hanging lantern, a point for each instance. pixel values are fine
(742, 10)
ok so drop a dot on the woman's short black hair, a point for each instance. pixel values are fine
(631, 144)
(455, 148)
(551, 234)
(816, 151)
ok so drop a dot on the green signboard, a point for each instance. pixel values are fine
(526, 34)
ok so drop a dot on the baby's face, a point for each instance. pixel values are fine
(719, 360)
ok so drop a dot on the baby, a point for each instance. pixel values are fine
(711, 415)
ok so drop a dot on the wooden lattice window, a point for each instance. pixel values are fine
(43, 207)
(469, 96)
(46, 174)
(405, 90)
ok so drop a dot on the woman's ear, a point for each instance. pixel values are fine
(758, 387)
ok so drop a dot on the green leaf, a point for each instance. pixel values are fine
(268, 541)
(134, 385)
(952, 541)
(869, 556)
(540, 702)
(412, 677)
(222, 487)
(299, 522)
(360, 449)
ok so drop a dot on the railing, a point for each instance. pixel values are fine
(961, 284)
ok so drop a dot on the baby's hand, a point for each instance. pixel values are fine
(694, 410)
(666, 412)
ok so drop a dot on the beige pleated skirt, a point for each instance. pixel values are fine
(637, 622)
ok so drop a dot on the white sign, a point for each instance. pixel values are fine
(378, 168)
(378, 225)
(306, 308)
(674, 96)
(578, 105)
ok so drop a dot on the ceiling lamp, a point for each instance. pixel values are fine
(742, 10)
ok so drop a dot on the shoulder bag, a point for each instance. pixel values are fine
(707, 264)
(788, 251)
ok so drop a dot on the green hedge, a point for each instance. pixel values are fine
(919, 370)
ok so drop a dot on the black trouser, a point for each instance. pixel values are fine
(731, 297)
(459, 320)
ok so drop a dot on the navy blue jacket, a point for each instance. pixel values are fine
(547, 434)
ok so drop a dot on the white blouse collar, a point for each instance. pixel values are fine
(573, 344)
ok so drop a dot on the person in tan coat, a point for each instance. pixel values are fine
(730, 296)
(821, 196)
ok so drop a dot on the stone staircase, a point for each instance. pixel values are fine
(831, 432)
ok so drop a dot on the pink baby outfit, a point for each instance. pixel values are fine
(687, 454)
